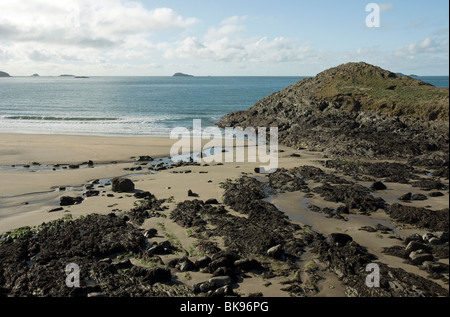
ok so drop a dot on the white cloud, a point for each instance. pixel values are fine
(83, 23)
(428, 45)
(228, 43)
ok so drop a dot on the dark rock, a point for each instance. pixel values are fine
(203, 262)
(287, 180)
(354, 196)
(378, 186)
(405, 197)
(185, 265)
(414, 246)
(144, 158)
(429, 184)
(436, 220)
(414, 237)
(276, 252)
(211, 201)
(436, 194)
(340, 239)
(152, 276)
(419, 197)
(150, 233)
(192, 194)
(193, 213)
(220, 260)
(69, 201)
(434, 267)
(342, 210)
(91, 193)
(82, 241)
(204, 287)
(220, 281)
(142, 195)
(160, 249)
(122, 185)
(223, 271)
(396, 250)
(56, 209)
(368, 229)
(443, 236)
(350, 261)
(418, 257)
(382, 228)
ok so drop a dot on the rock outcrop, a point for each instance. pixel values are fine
(356, 110)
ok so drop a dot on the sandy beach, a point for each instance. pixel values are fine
(28, 194)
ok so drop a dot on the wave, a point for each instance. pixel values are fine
(46, 118)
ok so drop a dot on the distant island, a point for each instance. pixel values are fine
(81, 77)
(35, 75)
(3, 74)
(65, 75)
(182, 75)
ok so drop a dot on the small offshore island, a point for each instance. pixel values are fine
(362, 182)
(182, 75)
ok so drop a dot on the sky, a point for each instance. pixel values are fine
(220, 38)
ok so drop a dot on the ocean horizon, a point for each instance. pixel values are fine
(132, 106)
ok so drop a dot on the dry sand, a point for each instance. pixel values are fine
(26, 196)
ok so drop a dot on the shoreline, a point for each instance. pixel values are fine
(26, 199)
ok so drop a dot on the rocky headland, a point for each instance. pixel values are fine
(3, 74)
(359, 111)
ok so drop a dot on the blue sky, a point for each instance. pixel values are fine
(211, 37)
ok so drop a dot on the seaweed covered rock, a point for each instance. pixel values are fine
(436, 220)
(35, 262)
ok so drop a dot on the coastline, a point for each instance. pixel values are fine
(26, 197)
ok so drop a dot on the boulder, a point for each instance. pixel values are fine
(69, 201)
(220, 281)
(405, 197)
(204, 287)
(414, 246)
(419, 256)
(203, 262)
(378, 186)
(419, 197)
(122, 185)
(185, 265)
(340, 239)
(276, 252)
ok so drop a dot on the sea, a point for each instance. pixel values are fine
(131, 106)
